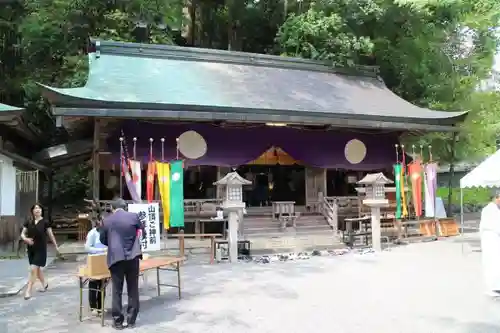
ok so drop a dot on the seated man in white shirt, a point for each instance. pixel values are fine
(94, 246)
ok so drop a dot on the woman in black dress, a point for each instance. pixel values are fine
(34, 234)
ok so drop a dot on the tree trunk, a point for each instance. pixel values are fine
(192, 19)
(189, 30)
(230, 24)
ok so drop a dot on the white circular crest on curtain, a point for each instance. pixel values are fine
(355, 151)
(192, 145)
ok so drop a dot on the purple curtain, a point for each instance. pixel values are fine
(230, 146)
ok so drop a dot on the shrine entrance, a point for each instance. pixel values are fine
(273, 183)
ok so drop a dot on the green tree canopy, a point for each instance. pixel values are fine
(432, 53)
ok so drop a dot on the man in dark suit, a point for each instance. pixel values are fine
(119, 234)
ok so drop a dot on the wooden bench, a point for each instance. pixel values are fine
(160, 264)
(387, 229)
(351, 234)
(286, 219)
(199, 226)
(181, 236)
(415, 223)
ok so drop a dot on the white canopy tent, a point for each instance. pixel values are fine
(486, 174)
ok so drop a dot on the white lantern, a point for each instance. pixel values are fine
(233, 184)
(375, 188)
(234, 206)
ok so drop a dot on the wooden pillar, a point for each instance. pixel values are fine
(315, 181)
(324, 183)
(50, 193)
(95, 161)
(221, 172)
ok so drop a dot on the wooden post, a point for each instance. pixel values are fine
(95, 161)
(50, 193)
(181, 244)
(324, 185)
(212, 249)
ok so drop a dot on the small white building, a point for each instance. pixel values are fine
(8, 187)
(18, 175)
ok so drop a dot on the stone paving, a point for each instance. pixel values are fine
(14, 275)
(420, 288)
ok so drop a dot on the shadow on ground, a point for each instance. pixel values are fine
(60, 303)
(469, 327)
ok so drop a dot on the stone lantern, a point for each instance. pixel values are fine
(232, 185)
(375, 198)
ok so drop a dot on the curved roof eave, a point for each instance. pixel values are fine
(67, 98)
(9, 114)
(127, 76)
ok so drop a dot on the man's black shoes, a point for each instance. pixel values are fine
(119, 326)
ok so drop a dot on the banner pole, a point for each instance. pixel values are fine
(121, 167)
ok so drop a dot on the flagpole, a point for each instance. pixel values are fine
(177, 148)
(121, 167)
(125, 149)
(162, 149)
(150, 149)
(134, 149)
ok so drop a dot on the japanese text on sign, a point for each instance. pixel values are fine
(149, 217)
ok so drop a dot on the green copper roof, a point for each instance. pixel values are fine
(9, 114)
(151, 81)
(8, 108)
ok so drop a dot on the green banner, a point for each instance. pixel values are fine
(176, 194)
(397, 182)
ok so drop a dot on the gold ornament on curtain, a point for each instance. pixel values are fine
(273, 156)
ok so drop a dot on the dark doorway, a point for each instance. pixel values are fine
(273, 183)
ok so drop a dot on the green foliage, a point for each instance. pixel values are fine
(48, 41)
(474, 196)
(56, 33)
(419, 49)
(478, 132)
(432, 53)
(72, 184)
(319, 35)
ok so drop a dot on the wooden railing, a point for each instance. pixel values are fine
(192, 207)
(201, 206)
(347, 206)
(281, 208)
(329, 209)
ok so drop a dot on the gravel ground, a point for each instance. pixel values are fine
(425, 288)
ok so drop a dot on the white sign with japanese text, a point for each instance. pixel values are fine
(149, 215)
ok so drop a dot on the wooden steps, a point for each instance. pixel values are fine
(267, 226)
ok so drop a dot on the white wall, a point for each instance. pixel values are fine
(7, 187)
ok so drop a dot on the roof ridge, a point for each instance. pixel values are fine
(225, 56)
